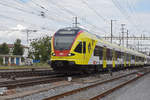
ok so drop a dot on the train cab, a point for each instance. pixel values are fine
(68, 49)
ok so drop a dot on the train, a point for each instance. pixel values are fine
(74, 49)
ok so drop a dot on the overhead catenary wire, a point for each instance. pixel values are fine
(73, 14)
(30, 12)
(99, 15)
(130, 11)
(124, 12)
(133, 10)
(26, 5)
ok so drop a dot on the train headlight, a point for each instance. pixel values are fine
(53, 54)
(71, 54)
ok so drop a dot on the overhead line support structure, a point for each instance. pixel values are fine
(122, 31)
(111, 29)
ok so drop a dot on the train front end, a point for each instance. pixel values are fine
(63, 56)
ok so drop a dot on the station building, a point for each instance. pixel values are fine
(11, 59)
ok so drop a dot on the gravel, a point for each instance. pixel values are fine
(77, 83)
(52, 92)
(84, 95)
(138, 90)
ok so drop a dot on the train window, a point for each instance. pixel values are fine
(115, 55)
(122, 55)
(137, 58)
(127, 57)
(79, 48)
(89, 47)
(118, 54)
(133, 57)
(109, 54)
(84, 47)
(62, 32)
(142, 59)
(101, 53)
(98, 51)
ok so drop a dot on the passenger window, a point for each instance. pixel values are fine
(98, 51)
(79, 48)
(109, 54)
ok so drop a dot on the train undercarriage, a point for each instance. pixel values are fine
(71, 67)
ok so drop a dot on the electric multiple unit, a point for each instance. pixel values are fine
(77, 50)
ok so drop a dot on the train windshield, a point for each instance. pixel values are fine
(64, 39)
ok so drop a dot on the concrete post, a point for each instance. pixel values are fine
(4, 60)
(9, 61)
(19, 60)
(15, 60)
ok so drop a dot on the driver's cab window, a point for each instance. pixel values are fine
(79, 47)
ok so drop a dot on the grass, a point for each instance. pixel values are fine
(38, 65)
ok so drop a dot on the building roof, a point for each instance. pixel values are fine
(12, 45)
(10, 55)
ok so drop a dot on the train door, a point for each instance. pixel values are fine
(113, 58)
(104, 58)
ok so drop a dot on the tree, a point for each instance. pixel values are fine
(1, 60)
(18, 49)
(41, 49)
(4, 49)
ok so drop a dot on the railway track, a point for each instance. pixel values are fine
(54, 77)
(29, 73)
(105, 88)
(31, 81)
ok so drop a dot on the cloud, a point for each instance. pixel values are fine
(59, 14)
(25, 1)
(19, 27)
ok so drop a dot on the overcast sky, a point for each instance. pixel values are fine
(16, 16)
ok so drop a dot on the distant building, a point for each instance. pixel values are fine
(25, 53)
(11, 59)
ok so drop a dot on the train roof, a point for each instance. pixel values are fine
(71, 28)
(116, 46)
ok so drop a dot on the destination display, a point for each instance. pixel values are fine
(66, 32)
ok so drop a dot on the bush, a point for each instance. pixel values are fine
(1, 60)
